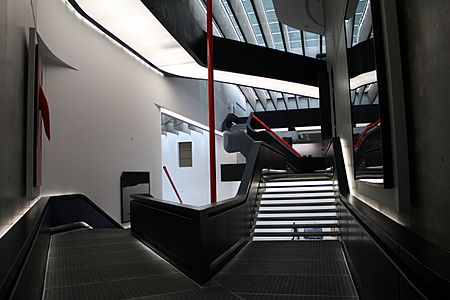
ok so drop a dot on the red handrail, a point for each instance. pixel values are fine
(274, 134)
(363, 134)
(173, 185)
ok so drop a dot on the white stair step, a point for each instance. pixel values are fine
(275, 223)
(294, 201)
(282, 238)
(299, 183)
(296, 208)
(298, 189)
(280, 230)
(291, 215)
(299, 195)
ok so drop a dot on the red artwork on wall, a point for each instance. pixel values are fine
(42, 116)
(45, 112)
(37, 127)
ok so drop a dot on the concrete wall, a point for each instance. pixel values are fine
(16, 16)
(424, 36)
(417, 67)
(393, 202)
(105, 117)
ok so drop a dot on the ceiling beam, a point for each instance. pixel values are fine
(372, 92)
(285, 100)
(195, 128)
(286, 39)
(264, 23)
(264, 101)
(283, 37)
(225, 22)
(302, 38)
(275, 101)
(242, 19)
(250, 95)
(291, 102)
(259, 22)
(261, 98)
(181, 126)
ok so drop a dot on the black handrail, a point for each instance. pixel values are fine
(24, 247)
(422, 267)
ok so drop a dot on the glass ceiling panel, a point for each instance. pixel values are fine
(274, 25)
(361, 10)
(324, 44)
(312, 44)
(248, 7)
(232, 19)
(295, 40)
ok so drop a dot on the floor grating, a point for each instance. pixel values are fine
(111, 264)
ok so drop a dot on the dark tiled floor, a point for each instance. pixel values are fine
(111, 264)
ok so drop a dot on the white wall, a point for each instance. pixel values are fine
(104, 117)
(192, 183)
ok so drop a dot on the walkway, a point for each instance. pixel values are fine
(111, 264)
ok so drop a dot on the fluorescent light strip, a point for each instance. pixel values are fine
(280, 129)
(17, 217)
(135, 25)
(187, 120)
(372, 180)
(307, 128)
(363, 79)
(4, 229)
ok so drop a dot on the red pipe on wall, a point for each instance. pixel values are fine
(211, 118)
(363, 134)
(173, 185)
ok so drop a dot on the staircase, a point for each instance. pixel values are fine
(308, 200)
